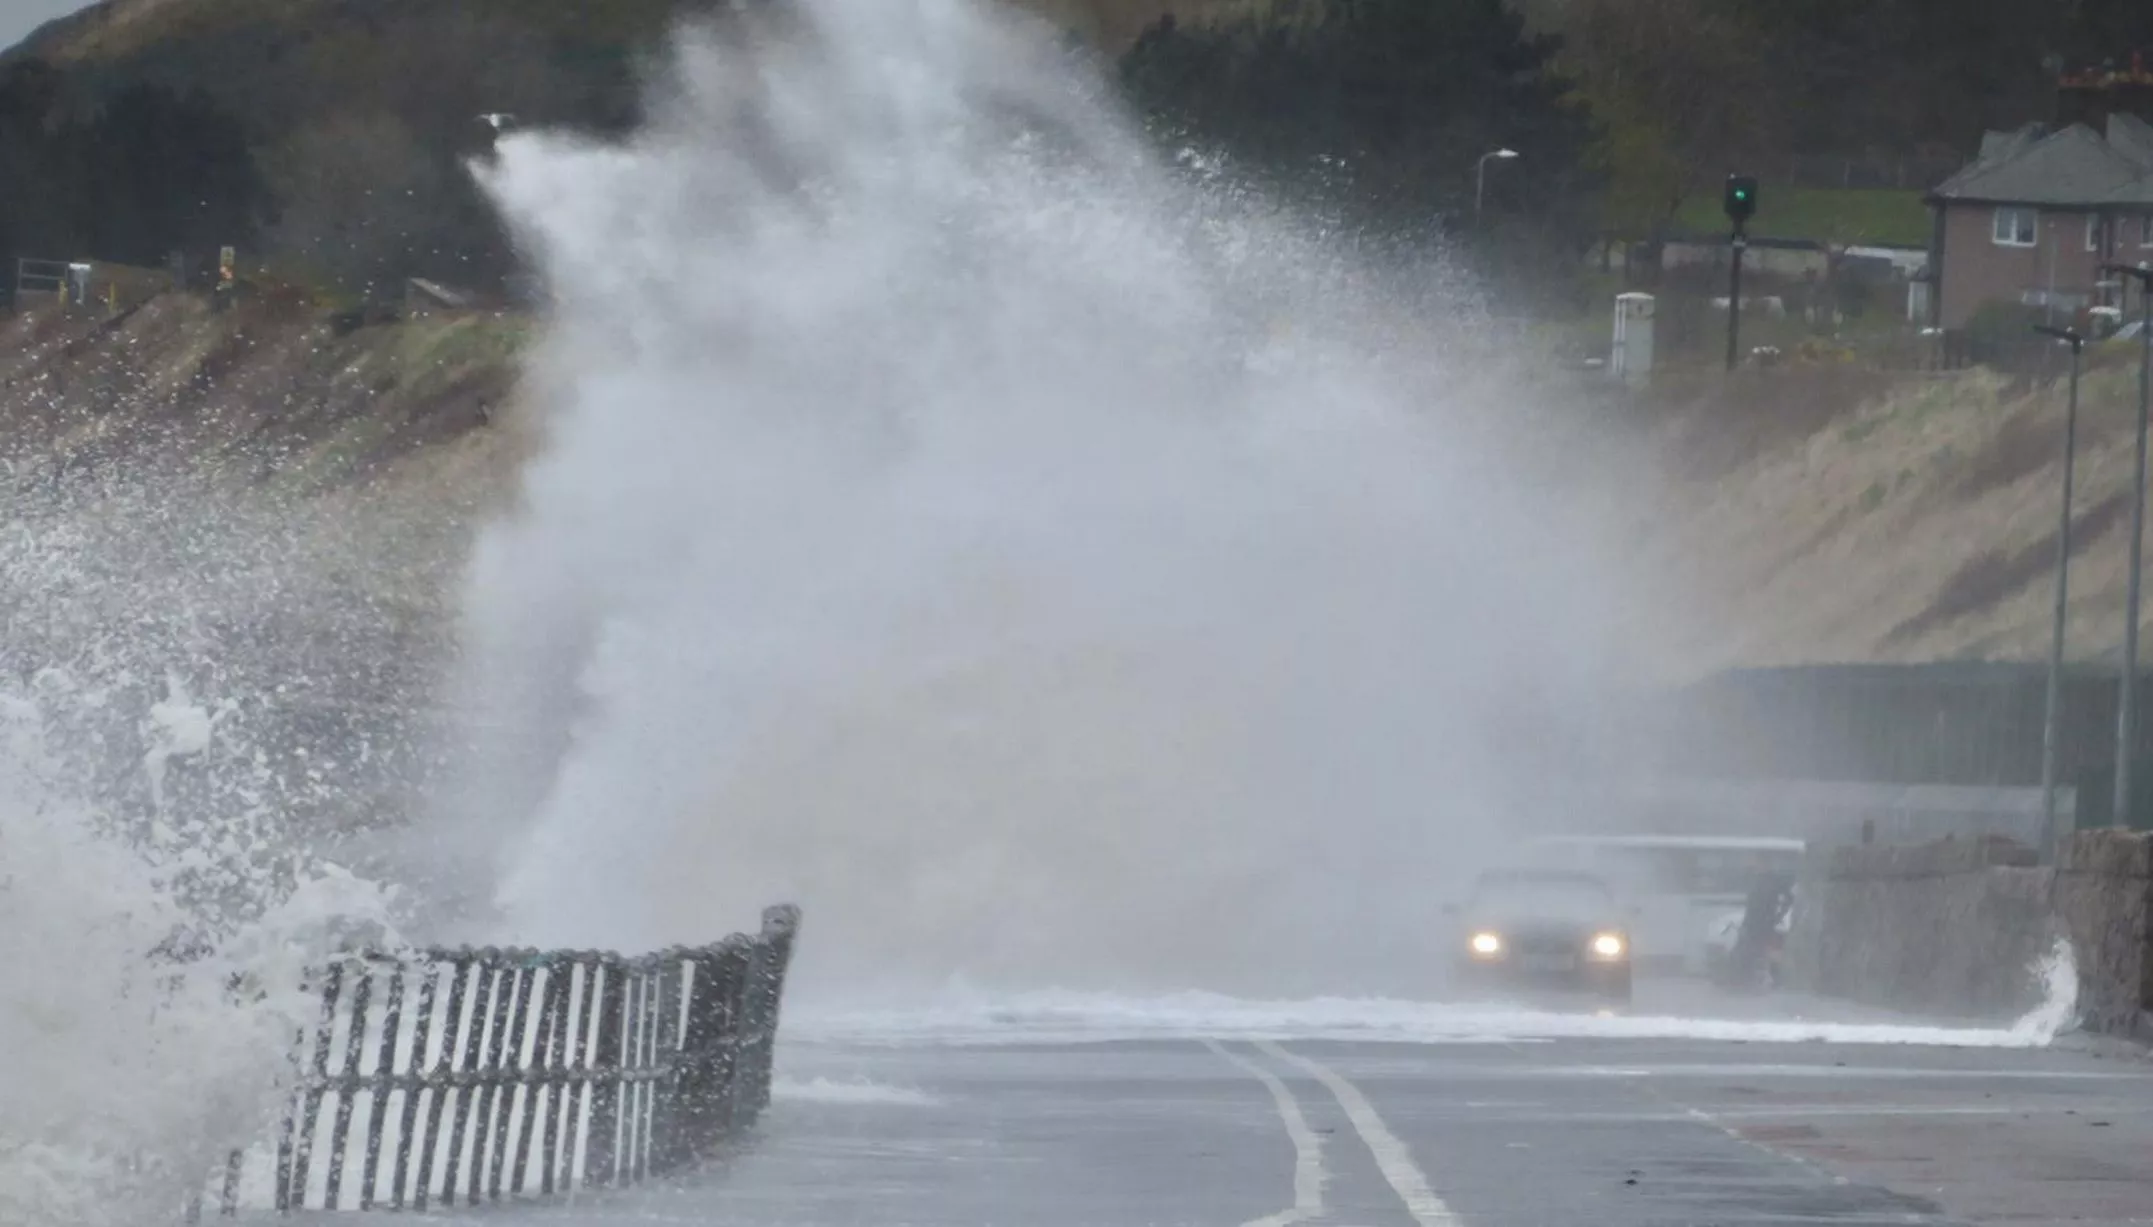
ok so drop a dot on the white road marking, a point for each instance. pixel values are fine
(1308, 1174)
(1392, 1157)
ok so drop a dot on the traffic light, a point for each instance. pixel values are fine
(1741, 199)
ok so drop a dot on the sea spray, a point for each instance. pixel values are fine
(139, 1049)
(1043, 564)
(2057, 1011)
(175, 784)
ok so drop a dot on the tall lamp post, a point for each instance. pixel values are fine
(2049, 733)
(2127, 698)
(1480, 178)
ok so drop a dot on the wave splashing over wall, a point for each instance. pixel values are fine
(1044, 566)
(162, 814)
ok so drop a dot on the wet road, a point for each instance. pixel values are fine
(1492, 1132)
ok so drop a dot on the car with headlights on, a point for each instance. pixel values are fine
(1544, 928)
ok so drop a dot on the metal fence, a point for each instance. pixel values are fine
(465, 1076)
(40, 277)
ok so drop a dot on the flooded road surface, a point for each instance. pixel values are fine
(1485, 1130)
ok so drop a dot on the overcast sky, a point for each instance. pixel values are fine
(19, 17)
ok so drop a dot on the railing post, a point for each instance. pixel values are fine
(508, 1068)
(780, 925)
(485, 1004)
(606, 1070)
(377, 1102)
(581, 1060)
(422, 1082)
(307, 1107)
(536, 1073)
(668, 1037)
(560, 1078)
(710, 1045)
(347, 1092)
(642, 1054)
(462, 978)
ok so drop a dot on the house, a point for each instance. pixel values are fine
(2038, 212)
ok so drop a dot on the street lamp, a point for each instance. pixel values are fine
(1480, 177)
(2127, 699)
(492, 126)
(2050, 720)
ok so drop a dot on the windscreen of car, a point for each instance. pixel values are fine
(1549, 896)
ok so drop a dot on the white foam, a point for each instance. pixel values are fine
(860, 1093)
(985, 1019)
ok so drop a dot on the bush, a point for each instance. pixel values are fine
(2001, 333)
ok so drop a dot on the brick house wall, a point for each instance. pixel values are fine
(1978, 270)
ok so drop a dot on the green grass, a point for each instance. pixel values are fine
(1830, 215)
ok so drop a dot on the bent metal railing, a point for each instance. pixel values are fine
(492, 1073)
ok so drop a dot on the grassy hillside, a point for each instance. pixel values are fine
(1827, 215)
(166, 34)
(280, 64)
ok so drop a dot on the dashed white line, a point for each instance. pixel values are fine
(1308, 1173)
(1392, 1157)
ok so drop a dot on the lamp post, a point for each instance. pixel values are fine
(2127, 698)
(1480, 178)
(492, 126)
(2053, 716)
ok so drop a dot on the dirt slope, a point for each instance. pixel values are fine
(1842, 518)
(394, 440)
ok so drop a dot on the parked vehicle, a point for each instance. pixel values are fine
(1682, 886)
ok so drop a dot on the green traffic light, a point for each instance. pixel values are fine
(1740, 200)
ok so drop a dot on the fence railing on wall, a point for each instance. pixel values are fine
(465, 1076)
(41, 277)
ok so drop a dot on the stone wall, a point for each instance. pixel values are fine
(1959, 927)
(2103, 884)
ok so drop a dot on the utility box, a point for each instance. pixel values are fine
(1631, 361)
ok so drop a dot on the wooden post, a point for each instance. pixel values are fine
(606, 1070)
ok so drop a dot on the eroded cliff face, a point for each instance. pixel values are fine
(1820, 516)
(252, 521)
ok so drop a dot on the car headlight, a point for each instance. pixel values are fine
(1609, 945)
(1487, 943)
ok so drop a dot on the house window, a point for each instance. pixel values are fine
(2145, 230)
(2015, 227)
(2093, 232)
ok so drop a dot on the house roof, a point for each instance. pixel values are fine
(2072, 166)
(1997, 146)
(2133, 138)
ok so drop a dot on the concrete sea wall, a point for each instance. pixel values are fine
(1959, 927)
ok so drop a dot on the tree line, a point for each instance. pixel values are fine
(337, 149)
(1683, 90)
